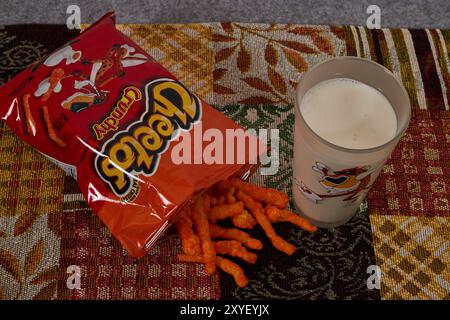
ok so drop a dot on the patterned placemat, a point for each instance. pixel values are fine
(31, 188)
(248, 71)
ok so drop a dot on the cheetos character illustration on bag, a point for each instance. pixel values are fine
(102, 70)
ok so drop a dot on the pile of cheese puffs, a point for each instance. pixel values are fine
(246, 205)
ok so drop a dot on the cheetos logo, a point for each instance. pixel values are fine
(170, 107)
(111, 123)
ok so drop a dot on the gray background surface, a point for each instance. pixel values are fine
(400, 13)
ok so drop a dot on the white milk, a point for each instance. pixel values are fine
(349, 113)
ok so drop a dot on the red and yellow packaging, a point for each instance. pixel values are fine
(106, 112)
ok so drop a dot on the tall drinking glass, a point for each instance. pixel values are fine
(331, 181)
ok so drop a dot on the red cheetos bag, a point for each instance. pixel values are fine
(103, 110)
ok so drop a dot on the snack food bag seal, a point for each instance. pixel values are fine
(107, 113)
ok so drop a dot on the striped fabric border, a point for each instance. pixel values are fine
(400, 50)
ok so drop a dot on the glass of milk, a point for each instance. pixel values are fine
(349, 115)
